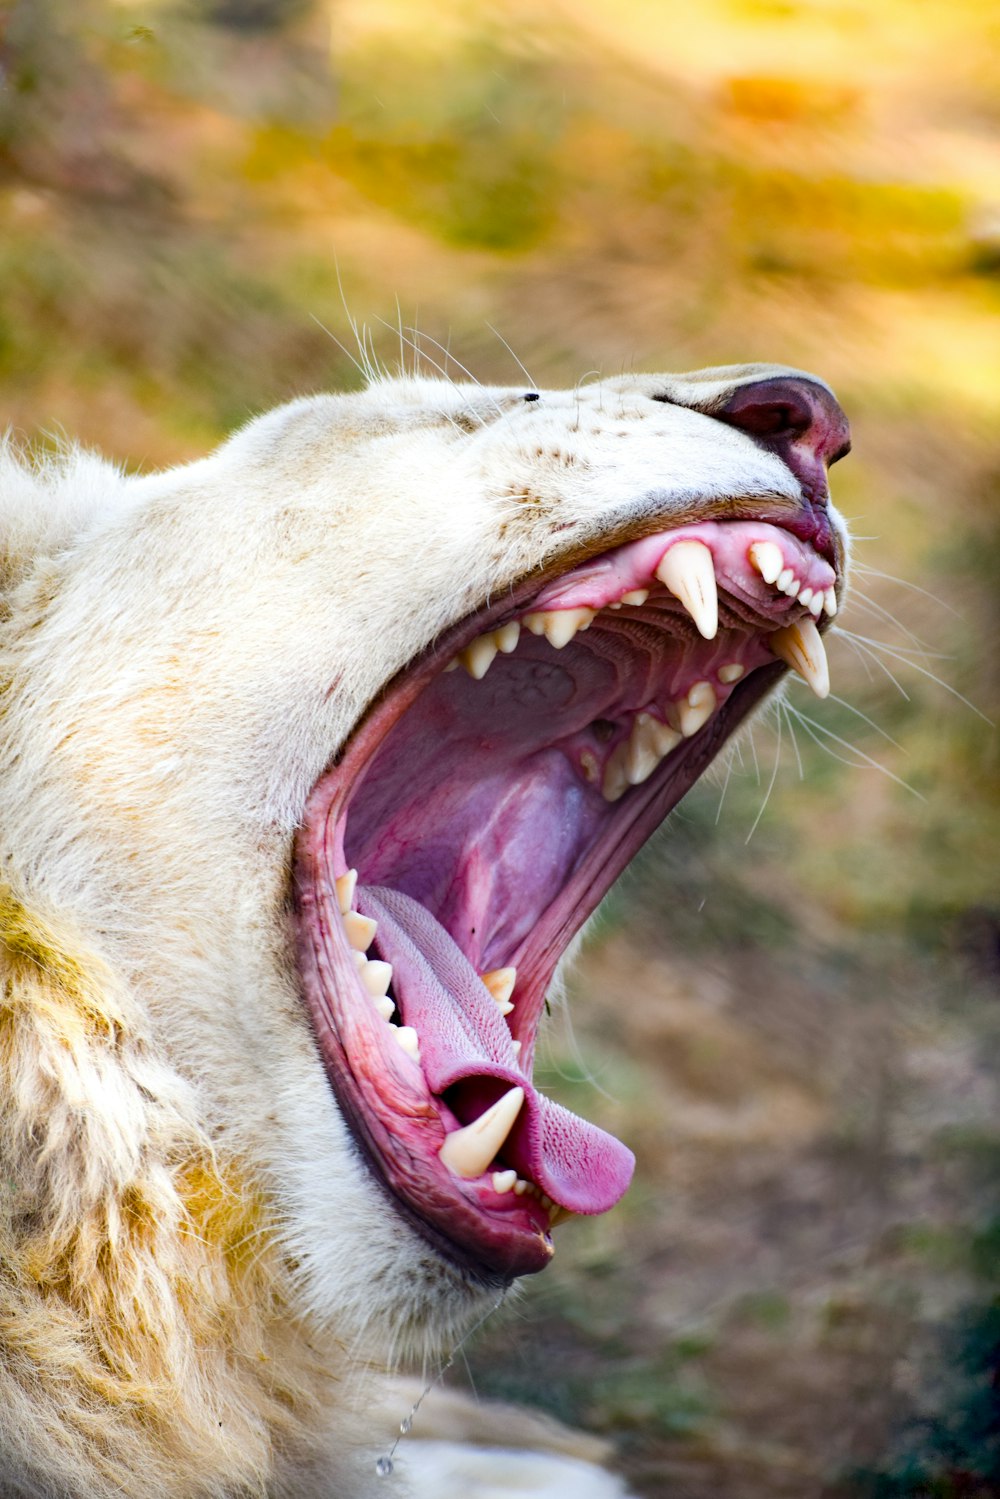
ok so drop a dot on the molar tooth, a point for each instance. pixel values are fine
(688, 572)
(767, 559)
(468, 1152)
(408, 1040)
(733, 670)
(500, 982)
(385, 1007)
(507, 636)
(635, 596)
(503, 1181)
(515, 1047)
(830, 603)
(535, 622)
(478, 657)
(520, 1187)
(615, 774)
(376, 977)
(562, 624)
(696, 708)
(360, 959)
(359, 930)
(344, 885)
(452, 664)
(589, 766)
(801, 646)
(643, 755)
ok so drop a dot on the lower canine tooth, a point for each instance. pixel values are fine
(468, 1152)
(478, 657)
(408, 1040)
(688, 571)
(801, 646)
(359, 930)
(767, 559)
(697, 708)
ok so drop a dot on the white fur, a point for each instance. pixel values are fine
(182, 656)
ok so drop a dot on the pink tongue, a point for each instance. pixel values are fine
(465, 1045)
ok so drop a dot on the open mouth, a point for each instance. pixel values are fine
(475, 820)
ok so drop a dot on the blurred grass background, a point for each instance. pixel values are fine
(789, 1007)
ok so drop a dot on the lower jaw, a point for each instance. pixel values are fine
(396, 1125)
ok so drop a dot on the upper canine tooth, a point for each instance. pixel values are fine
(344, 885)
(688, 571)
(696, 708)
(507, 636)
(467, 1152)
(500, 982)
(478, 657)
(359, 930)
(767, 559)
(562, 624)
(801, 646)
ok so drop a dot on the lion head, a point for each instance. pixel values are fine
(317, 753)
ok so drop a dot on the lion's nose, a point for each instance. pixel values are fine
(797, 419)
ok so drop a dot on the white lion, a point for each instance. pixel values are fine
(316, 754)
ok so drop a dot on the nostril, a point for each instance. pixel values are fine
(796, 418)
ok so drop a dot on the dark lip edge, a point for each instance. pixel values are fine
(389, 705)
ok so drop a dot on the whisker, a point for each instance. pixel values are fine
(843, 703)
(770, 786)
(905, 657)
(342, 347)
(873, 572)
(513, 356)
(814, 730)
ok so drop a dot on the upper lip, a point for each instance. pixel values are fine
(371, 1080)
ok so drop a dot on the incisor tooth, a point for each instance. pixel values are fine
(830, 601)
(359, 930)
(376, 977)
(815, 604)
(408, 1040)
(478, 657)
(696, 708)
(500, 982)
(468, 1152)
(503, 1181)
(507, 636)
(783, 579)
(767, 559)
(688, 571)
(344, 885)
(805, 597)
(562, 624)
(801, 646)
